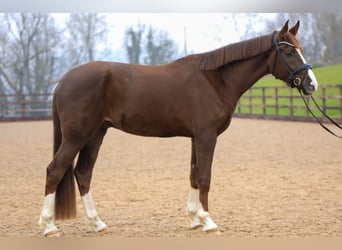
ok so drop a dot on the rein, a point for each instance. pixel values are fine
(323, 113)
(295, 83)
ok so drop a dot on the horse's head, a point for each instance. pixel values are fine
(288, 63)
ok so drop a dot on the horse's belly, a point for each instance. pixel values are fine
(154, 126)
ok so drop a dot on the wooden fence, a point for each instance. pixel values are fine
(279, 103)
(25, 107)
(282, 103)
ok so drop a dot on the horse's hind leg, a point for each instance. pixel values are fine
(83, 173)
(55, 173)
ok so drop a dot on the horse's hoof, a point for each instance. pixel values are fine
(50, 227)
(195, 226)
(214, 230)
(99, 226)
(54, 233)
(101, 229)
(210, 227)
(195, 223)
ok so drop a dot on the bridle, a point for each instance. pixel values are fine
(294, 81)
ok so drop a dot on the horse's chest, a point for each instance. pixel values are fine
(224, 124)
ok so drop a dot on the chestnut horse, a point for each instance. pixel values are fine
(194, 97)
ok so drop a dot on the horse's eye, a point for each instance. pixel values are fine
(289, 53)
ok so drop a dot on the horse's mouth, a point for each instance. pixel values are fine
(308, 89)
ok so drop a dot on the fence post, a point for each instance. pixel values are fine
(276, 101)
(23, 105)
(250, 101)
(239, 107)
(263, 101)
(324, 99)
(308, 114)
(340, 86)
(291, 104)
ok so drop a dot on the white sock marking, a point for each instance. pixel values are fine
(89, 205)
(48, 213)
(197, 215)
(193, 202)
(48, 207)
(93, 218)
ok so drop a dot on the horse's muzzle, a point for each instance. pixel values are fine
(307, 87)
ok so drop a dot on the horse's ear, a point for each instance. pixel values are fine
(281, 35)
(295, 28)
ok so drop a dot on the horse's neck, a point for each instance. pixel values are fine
(242, 75)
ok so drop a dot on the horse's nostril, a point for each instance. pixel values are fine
(310, 84)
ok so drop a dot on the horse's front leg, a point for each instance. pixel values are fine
(202, 155)
(193, 203)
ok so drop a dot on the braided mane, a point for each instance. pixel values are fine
(234, 52)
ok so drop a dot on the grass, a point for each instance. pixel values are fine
(328, 76)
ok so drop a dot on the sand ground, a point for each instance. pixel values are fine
(269, 178)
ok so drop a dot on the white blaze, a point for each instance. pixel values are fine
(311, 74)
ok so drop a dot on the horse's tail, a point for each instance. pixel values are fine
(65, 199)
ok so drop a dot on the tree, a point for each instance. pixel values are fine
(133, 43)
(36, 50)
(87, 38)
(319, 34)
(28, 61)
(4, 48)
(330, 31)
(160, 48)
(149, 46)
(306, 36)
